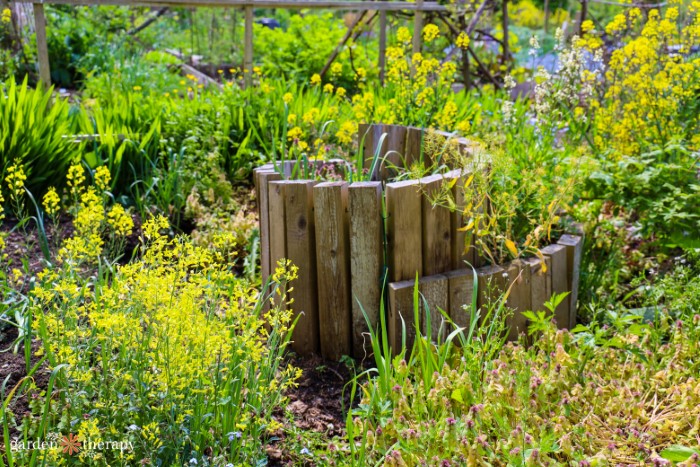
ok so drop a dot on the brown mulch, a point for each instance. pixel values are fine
(318, 404)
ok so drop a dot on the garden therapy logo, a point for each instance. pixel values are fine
(70, 445)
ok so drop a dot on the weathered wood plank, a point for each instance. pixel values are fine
(404, 232)
(460, 251)
(367, 260)
(461, 290)
(393, 150)
(301, 251)
(437, 228)
(574, 248)
(262, 180)
(541, 282)
(347, 5)
(414, 146)
(557, 256)
(248, 47)
(333, 268)
(520, 297)
(434, 290)
(401, 315)
(277, 231)
(491, 284)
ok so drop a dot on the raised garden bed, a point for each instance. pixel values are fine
(349, 239)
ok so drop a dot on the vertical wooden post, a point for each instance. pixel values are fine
(541, 282)
(401, 314)
(491, 282)
(582, 18)
(437, 231)
(461, 291)
(42, 45)
(403, 202)
(557, 257)
(382, 45)
(434, 290)
(263, 177)
(574, 247)
(333, 268)
(461, 252)
(277, 230)
(418, 27)
(520, 298)
(367, 260)
(301, 251)
(248, 48)
(414, 146)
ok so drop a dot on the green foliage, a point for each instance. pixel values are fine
(33, 129)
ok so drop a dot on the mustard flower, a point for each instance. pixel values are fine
(6, 15)
(403, 35)
(287, 98)
(430, 32)
(102, 178)
(340, 92)
(119, 220)
(336, 68)
(463, 40)
(51, 202)
(316, 79)
(328, 88)
(15, 179)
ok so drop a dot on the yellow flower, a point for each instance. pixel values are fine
(346, 132)
(587, 26)
(137, 88)
(287, 98)
(316, 79)
(75, 176)
(340, 92)
(102, 178)
(291, 119)
(336, 69)
(361, 74)
(403, 35)
(119, 220)
(15, 178)
(51, 202)
(328, 88)
(430, 32)
(463, 40)
(6, 15)
(294, 133)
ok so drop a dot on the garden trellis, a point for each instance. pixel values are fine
(419, 7)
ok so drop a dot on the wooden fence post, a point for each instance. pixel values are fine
(301, 251)
(404, 233)
(574, 248)
(400, 315)
(557, 257)
(382, 45)
(418, 27)
(461, 291)
(333, 268)
(277, 230)
(42, 45)
(437, 229)
(491, 282)
(367, 260)
(248, 48)
(541, 282)
(520, 297)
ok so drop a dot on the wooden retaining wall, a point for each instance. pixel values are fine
(354, 241)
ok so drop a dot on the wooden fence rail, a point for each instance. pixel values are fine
(248, 6)
(355, 243)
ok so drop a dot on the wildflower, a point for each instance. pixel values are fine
(430, 32)
(361, 74)
(346, 132)
(316, 79)
(51, 202)
(336, 69)
(534, 45)
(291, 119)
(294, 133)
(451, 421)
(119, 220)
(102, 178)
(305, 452)
(340, 92)
(462, 40)
(328, 88)
(287, 98)
(15, 179)
(136, 88)
(6, 15)
(75, 177)
(403, 35)
(257, 70)
(587, 26)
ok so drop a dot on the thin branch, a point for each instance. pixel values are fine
(148, 22)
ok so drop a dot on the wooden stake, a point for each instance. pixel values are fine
(367, 261)
(248, 50)
(333, 268)
(574, 248)
(418, 27)
(520, 297)
(437, 231)
(404, 233)
(382, 45)
(42, 45)
(557, 257)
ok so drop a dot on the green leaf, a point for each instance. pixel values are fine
(678, 453)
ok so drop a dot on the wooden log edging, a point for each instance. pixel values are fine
(357, 244)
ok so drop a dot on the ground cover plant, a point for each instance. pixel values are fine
(132, 308)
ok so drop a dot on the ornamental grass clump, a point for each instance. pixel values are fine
(170, 353)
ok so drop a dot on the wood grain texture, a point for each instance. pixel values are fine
(520, 297)
(574, 249)
(277, 243)
(367, 260)
(541, 282)
(557, 257)
(461, 252)
(262, 179)
(400, 320)
(301, 251)
(461, 288)
(437, 228)
(491, 284)
(333, 268)
(414, 146)
(404, 232)
(434, 292)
